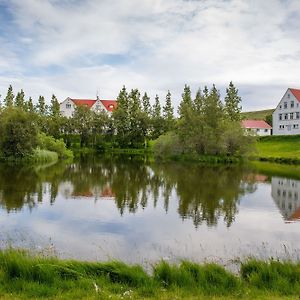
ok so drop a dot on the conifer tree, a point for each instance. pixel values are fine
(168, 113)
(20, 99)
(29, 105)
(146, 104)
(157, 120)
(121, 120)
(198, 102)
(54, 108)
(9, 99)
(41, 106)
(233, 103)
(186, 103)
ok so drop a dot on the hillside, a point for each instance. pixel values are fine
(257, 115)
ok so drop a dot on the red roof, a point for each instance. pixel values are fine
(296, 93)
(255, 124)
(88, 102)
(110, 105)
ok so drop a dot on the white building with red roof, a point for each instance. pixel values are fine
(286, 117)
(259, 127)
(67, 107)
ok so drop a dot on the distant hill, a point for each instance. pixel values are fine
(257, 115)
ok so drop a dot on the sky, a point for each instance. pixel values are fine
(81, 48)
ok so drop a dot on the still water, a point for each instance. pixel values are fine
(134, 210)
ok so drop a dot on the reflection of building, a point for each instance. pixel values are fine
(285, 193)
(68, 190)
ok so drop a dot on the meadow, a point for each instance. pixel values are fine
(284, 149)
(27, 276)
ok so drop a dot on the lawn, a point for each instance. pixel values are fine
(279, 148)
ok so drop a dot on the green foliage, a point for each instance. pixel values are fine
(233, 101)
(168, 145)
(20, 100)
(168, 114)
(54, 107)
(9, 99)
(44, 156)
(49, 143)
(18, 133)
(206, 127)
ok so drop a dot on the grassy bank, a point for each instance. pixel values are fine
(23, 276)
(257, 115)
(282, 149)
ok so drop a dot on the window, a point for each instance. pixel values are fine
(291, 116)
(68, 105)
(286, 116)
(284, 104)
(280, 116)
(257, 130)
(292, 104)
(296, 126)
(288, 95)
(280, 107)
(266, 130)
(281, 126)
(297, 115)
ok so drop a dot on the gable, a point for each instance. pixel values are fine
(289, 96)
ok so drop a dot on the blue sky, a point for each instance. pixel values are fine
(78, 47)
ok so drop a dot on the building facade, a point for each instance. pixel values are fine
(258, 127)
(286, 117)
(67, 107)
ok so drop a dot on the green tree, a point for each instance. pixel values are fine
(168, 113)
(18, 133)
(121, 120)
(20, 100)
(138, 120)
(30, 106)
(146, 104)
(41, 106)
(83, 120)
(54, 107)
(156, 120)
(233, 101)
(9, 99)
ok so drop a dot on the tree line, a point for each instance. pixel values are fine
(205, 124)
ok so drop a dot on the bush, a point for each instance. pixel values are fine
(18, 133)
(49, 143)
(167, 145)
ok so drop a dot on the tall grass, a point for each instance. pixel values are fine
(44, 156)
(23, 275)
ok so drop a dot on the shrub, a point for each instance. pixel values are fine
(18, 133)
(49, 143)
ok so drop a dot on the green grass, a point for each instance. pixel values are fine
(44, 156)
(279, 148)
(257, 115)
(28, 276)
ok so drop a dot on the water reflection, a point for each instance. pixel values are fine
(204, 194)
(285, 193)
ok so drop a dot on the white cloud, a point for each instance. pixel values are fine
(163, 44)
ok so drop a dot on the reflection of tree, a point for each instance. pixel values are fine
(24, 186)
(205, 194)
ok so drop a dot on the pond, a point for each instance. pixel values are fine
(139, 211)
